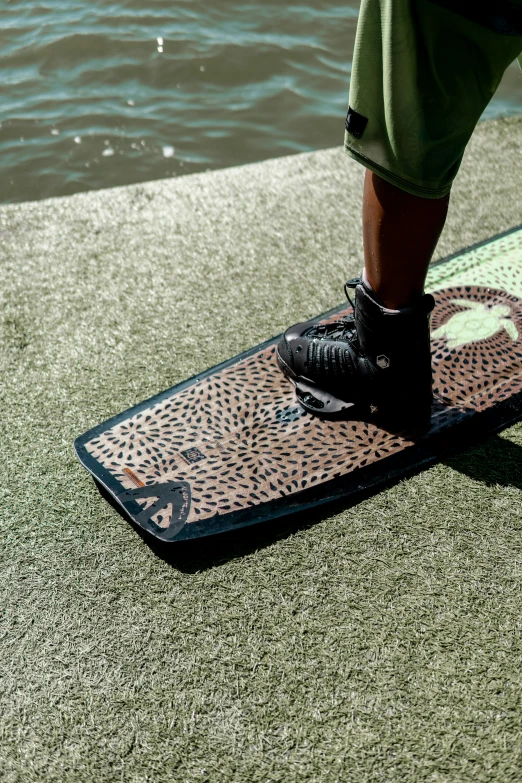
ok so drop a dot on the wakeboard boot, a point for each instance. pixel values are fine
(374, 363)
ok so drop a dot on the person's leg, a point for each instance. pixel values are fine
(400, 233)
(423, 72)
(422, 75)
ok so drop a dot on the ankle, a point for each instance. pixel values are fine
(391, 297)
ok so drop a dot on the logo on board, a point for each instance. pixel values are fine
(192, 455)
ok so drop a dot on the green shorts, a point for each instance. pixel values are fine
(423, 73)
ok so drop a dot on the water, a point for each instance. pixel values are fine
(98, 93)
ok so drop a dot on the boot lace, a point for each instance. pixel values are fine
(344, 328)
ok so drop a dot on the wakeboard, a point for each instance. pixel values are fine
(232, 446)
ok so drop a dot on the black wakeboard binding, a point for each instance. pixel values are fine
(375, 361)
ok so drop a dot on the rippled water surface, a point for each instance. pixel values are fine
(98, 93)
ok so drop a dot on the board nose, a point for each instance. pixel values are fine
(168, 496)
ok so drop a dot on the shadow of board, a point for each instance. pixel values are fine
(490, 460)
(494, 461)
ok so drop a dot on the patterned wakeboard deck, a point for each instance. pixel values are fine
(232, 447)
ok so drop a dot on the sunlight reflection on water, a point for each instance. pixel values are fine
(101, 94)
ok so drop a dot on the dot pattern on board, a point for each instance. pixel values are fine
(239, 438)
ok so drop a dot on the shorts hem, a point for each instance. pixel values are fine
(394, 179)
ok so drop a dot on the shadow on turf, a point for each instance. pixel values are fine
(492, 461)
(200, 554)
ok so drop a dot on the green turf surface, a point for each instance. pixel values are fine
(379, 642)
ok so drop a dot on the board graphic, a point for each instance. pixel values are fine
(232, 446)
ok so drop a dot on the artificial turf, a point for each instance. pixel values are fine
(374, 642)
